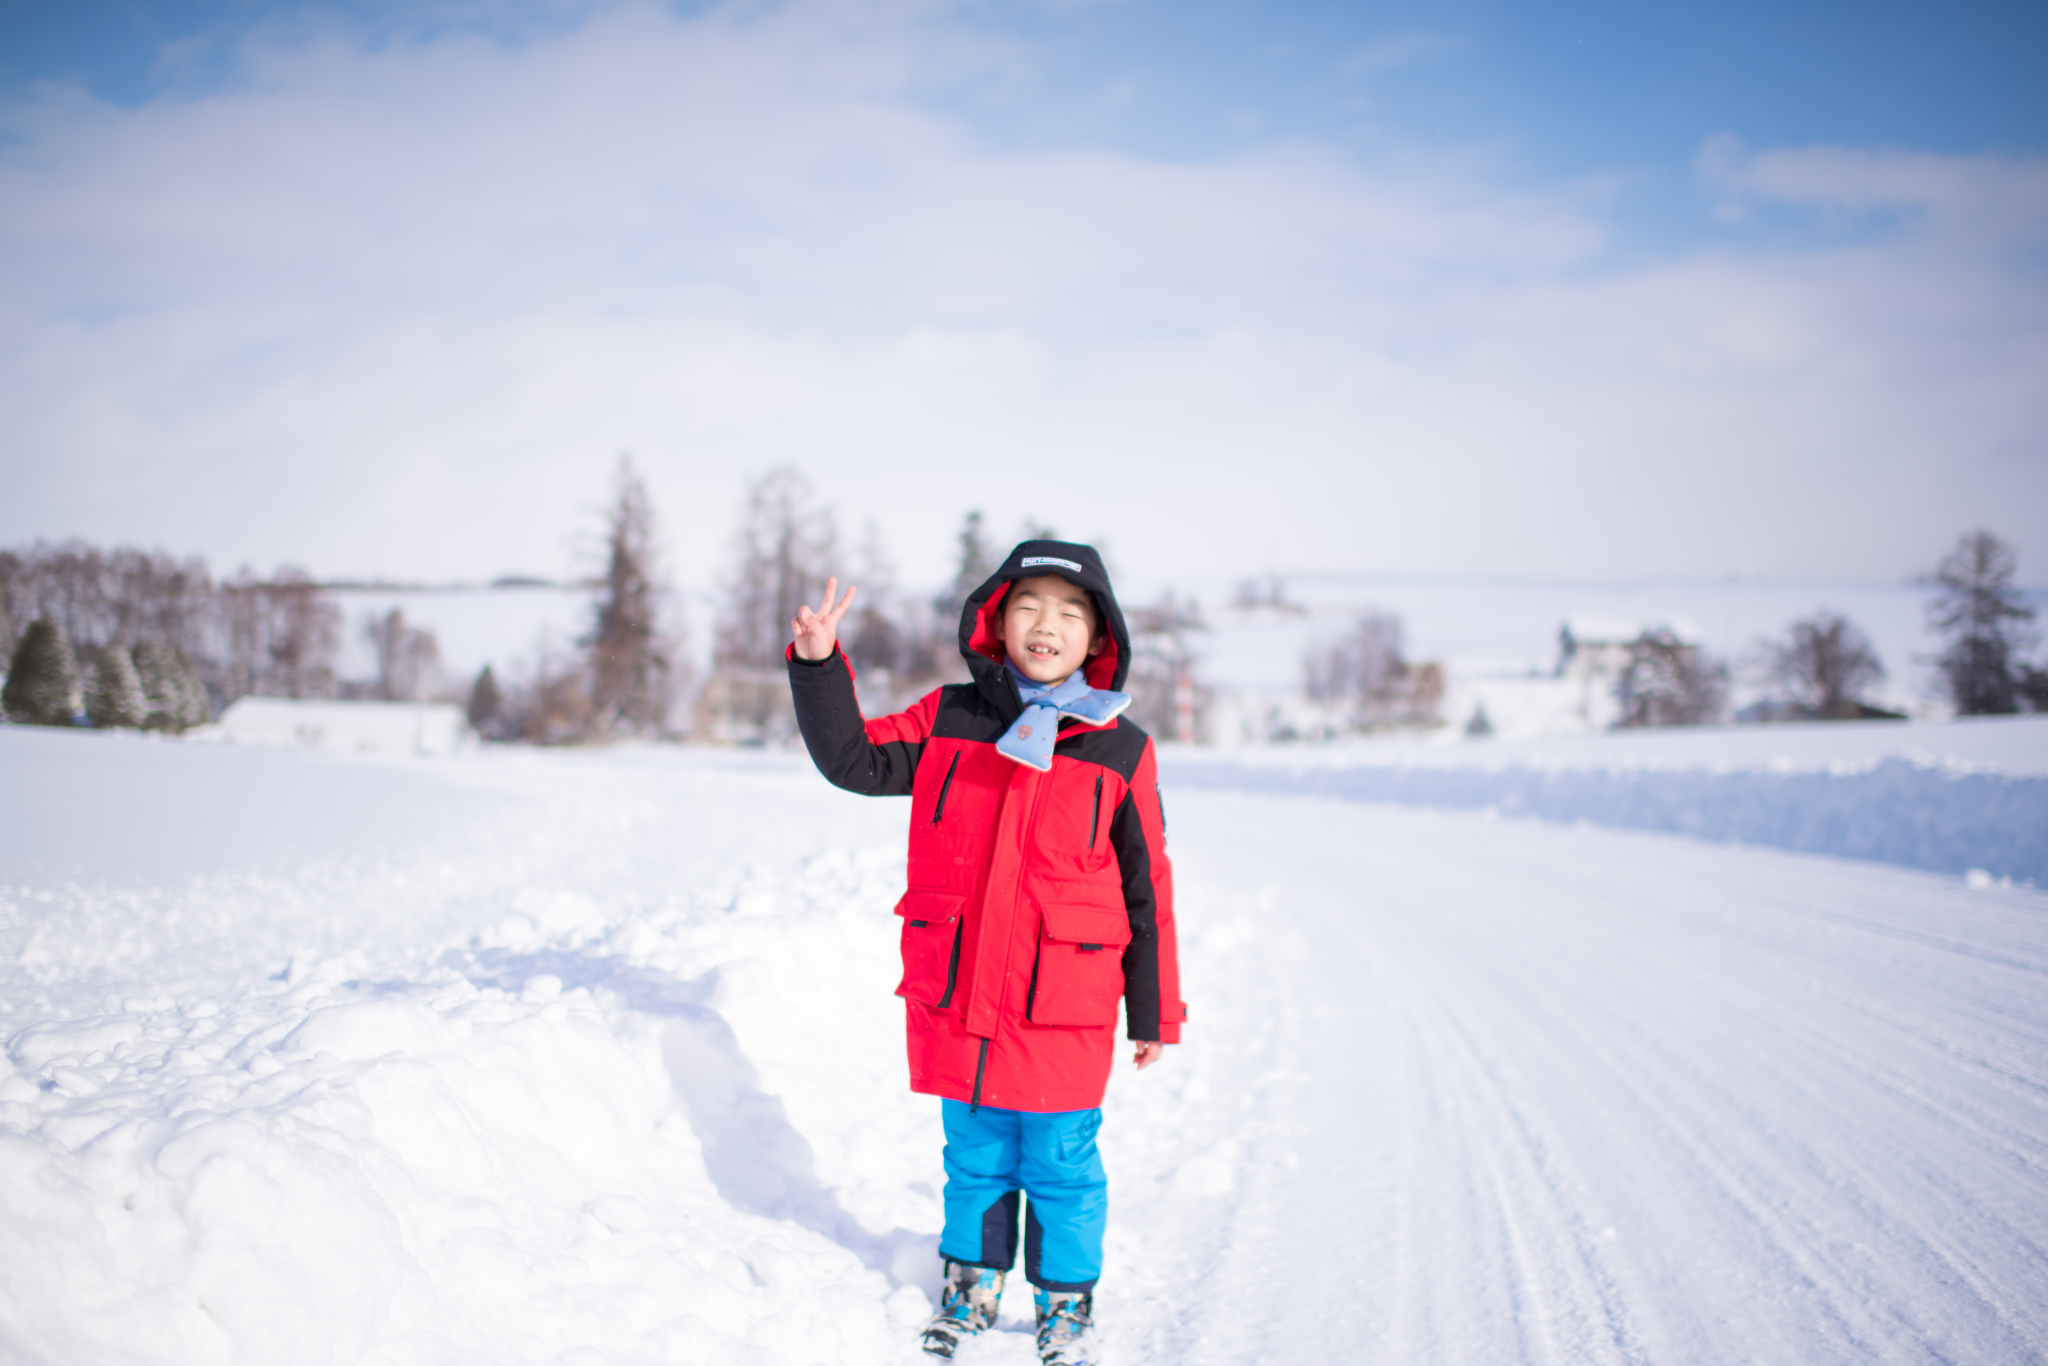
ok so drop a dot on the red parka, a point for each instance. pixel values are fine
(1036, 900)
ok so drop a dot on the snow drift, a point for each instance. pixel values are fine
(1944, 798)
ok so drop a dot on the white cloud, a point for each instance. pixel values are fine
(396, 310)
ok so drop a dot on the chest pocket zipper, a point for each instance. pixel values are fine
(939, 811)
(1095, 819)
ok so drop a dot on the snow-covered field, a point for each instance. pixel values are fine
(591, 1057)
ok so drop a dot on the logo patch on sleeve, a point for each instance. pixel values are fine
(1034, 561)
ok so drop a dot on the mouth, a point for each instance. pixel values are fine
(1043, 651)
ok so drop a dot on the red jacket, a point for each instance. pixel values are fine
(1036, 900)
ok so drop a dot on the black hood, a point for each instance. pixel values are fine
(1078, 565)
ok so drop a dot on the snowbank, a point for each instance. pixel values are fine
(1947, 798)
(499, 1083)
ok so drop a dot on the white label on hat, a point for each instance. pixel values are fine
(1033, 561)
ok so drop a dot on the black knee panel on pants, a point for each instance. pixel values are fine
(999, 1233)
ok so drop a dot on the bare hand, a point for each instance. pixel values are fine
(1147, 1054)
(817, 633)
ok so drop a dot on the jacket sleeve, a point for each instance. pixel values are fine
(1153, 1009)
(875, 758)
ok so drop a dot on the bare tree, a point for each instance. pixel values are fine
(1985, 620)
(781, 554)
(877, 638)
(1166, 699)
(1669, 682)
(283, 636)
(408, 658)
(1363, 674)
(1825, 666)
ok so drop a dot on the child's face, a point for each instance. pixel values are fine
(1048, 628)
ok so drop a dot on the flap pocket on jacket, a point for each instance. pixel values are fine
(1101, 926)
(931, 946)
(1080, 972)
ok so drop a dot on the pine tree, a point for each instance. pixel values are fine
(976, 560)
(1985, 620)
(163, 691)
(113, 692)
(42, 678)
(486, 702)
(629, 668)
(192, 706)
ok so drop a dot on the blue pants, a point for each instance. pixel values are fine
(990, 1155)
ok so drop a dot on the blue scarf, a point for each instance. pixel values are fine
(1030, 737)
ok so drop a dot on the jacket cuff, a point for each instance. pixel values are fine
(789, 653)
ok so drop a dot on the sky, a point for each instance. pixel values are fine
(1576, 290)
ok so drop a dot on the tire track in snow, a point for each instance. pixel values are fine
(1603, 1098)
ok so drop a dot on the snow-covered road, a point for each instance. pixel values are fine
(591, 1058)
(1494, 1091)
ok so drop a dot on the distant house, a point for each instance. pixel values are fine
(353, 727)
(1632, 672)
(1602, 647)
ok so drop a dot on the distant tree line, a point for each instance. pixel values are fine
(144, 639)
(139, 638)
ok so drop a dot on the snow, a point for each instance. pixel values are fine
(365, 727)
(590, 1057)
(1949, 798)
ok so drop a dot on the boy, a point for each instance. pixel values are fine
(1039, 894)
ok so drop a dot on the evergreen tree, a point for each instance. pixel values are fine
(42, 678)
(1985, 620)
(486, 703)
(163, 691)
(976, 559)
(113, 692)
(629, 668)
(192, 706)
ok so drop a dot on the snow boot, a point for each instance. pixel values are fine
(966, 1305)
(1066, 1327)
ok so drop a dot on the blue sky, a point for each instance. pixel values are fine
(1561, 289)
(1559, 89)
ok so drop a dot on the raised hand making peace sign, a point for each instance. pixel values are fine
(818, 632)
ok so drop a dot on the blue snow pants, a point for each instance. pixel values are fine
(990, 1155)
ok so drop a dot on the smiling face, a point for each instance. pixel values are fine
(1048, 628)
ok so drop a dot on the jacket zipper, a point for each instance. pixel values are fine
(1096, 819)
(939, 811)
(953, 966)
(980, 1064)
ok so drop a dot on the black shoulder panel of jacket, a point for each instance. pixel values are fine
(965, 713)
(1141, 955)
(829, 716)
(1118, 747)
